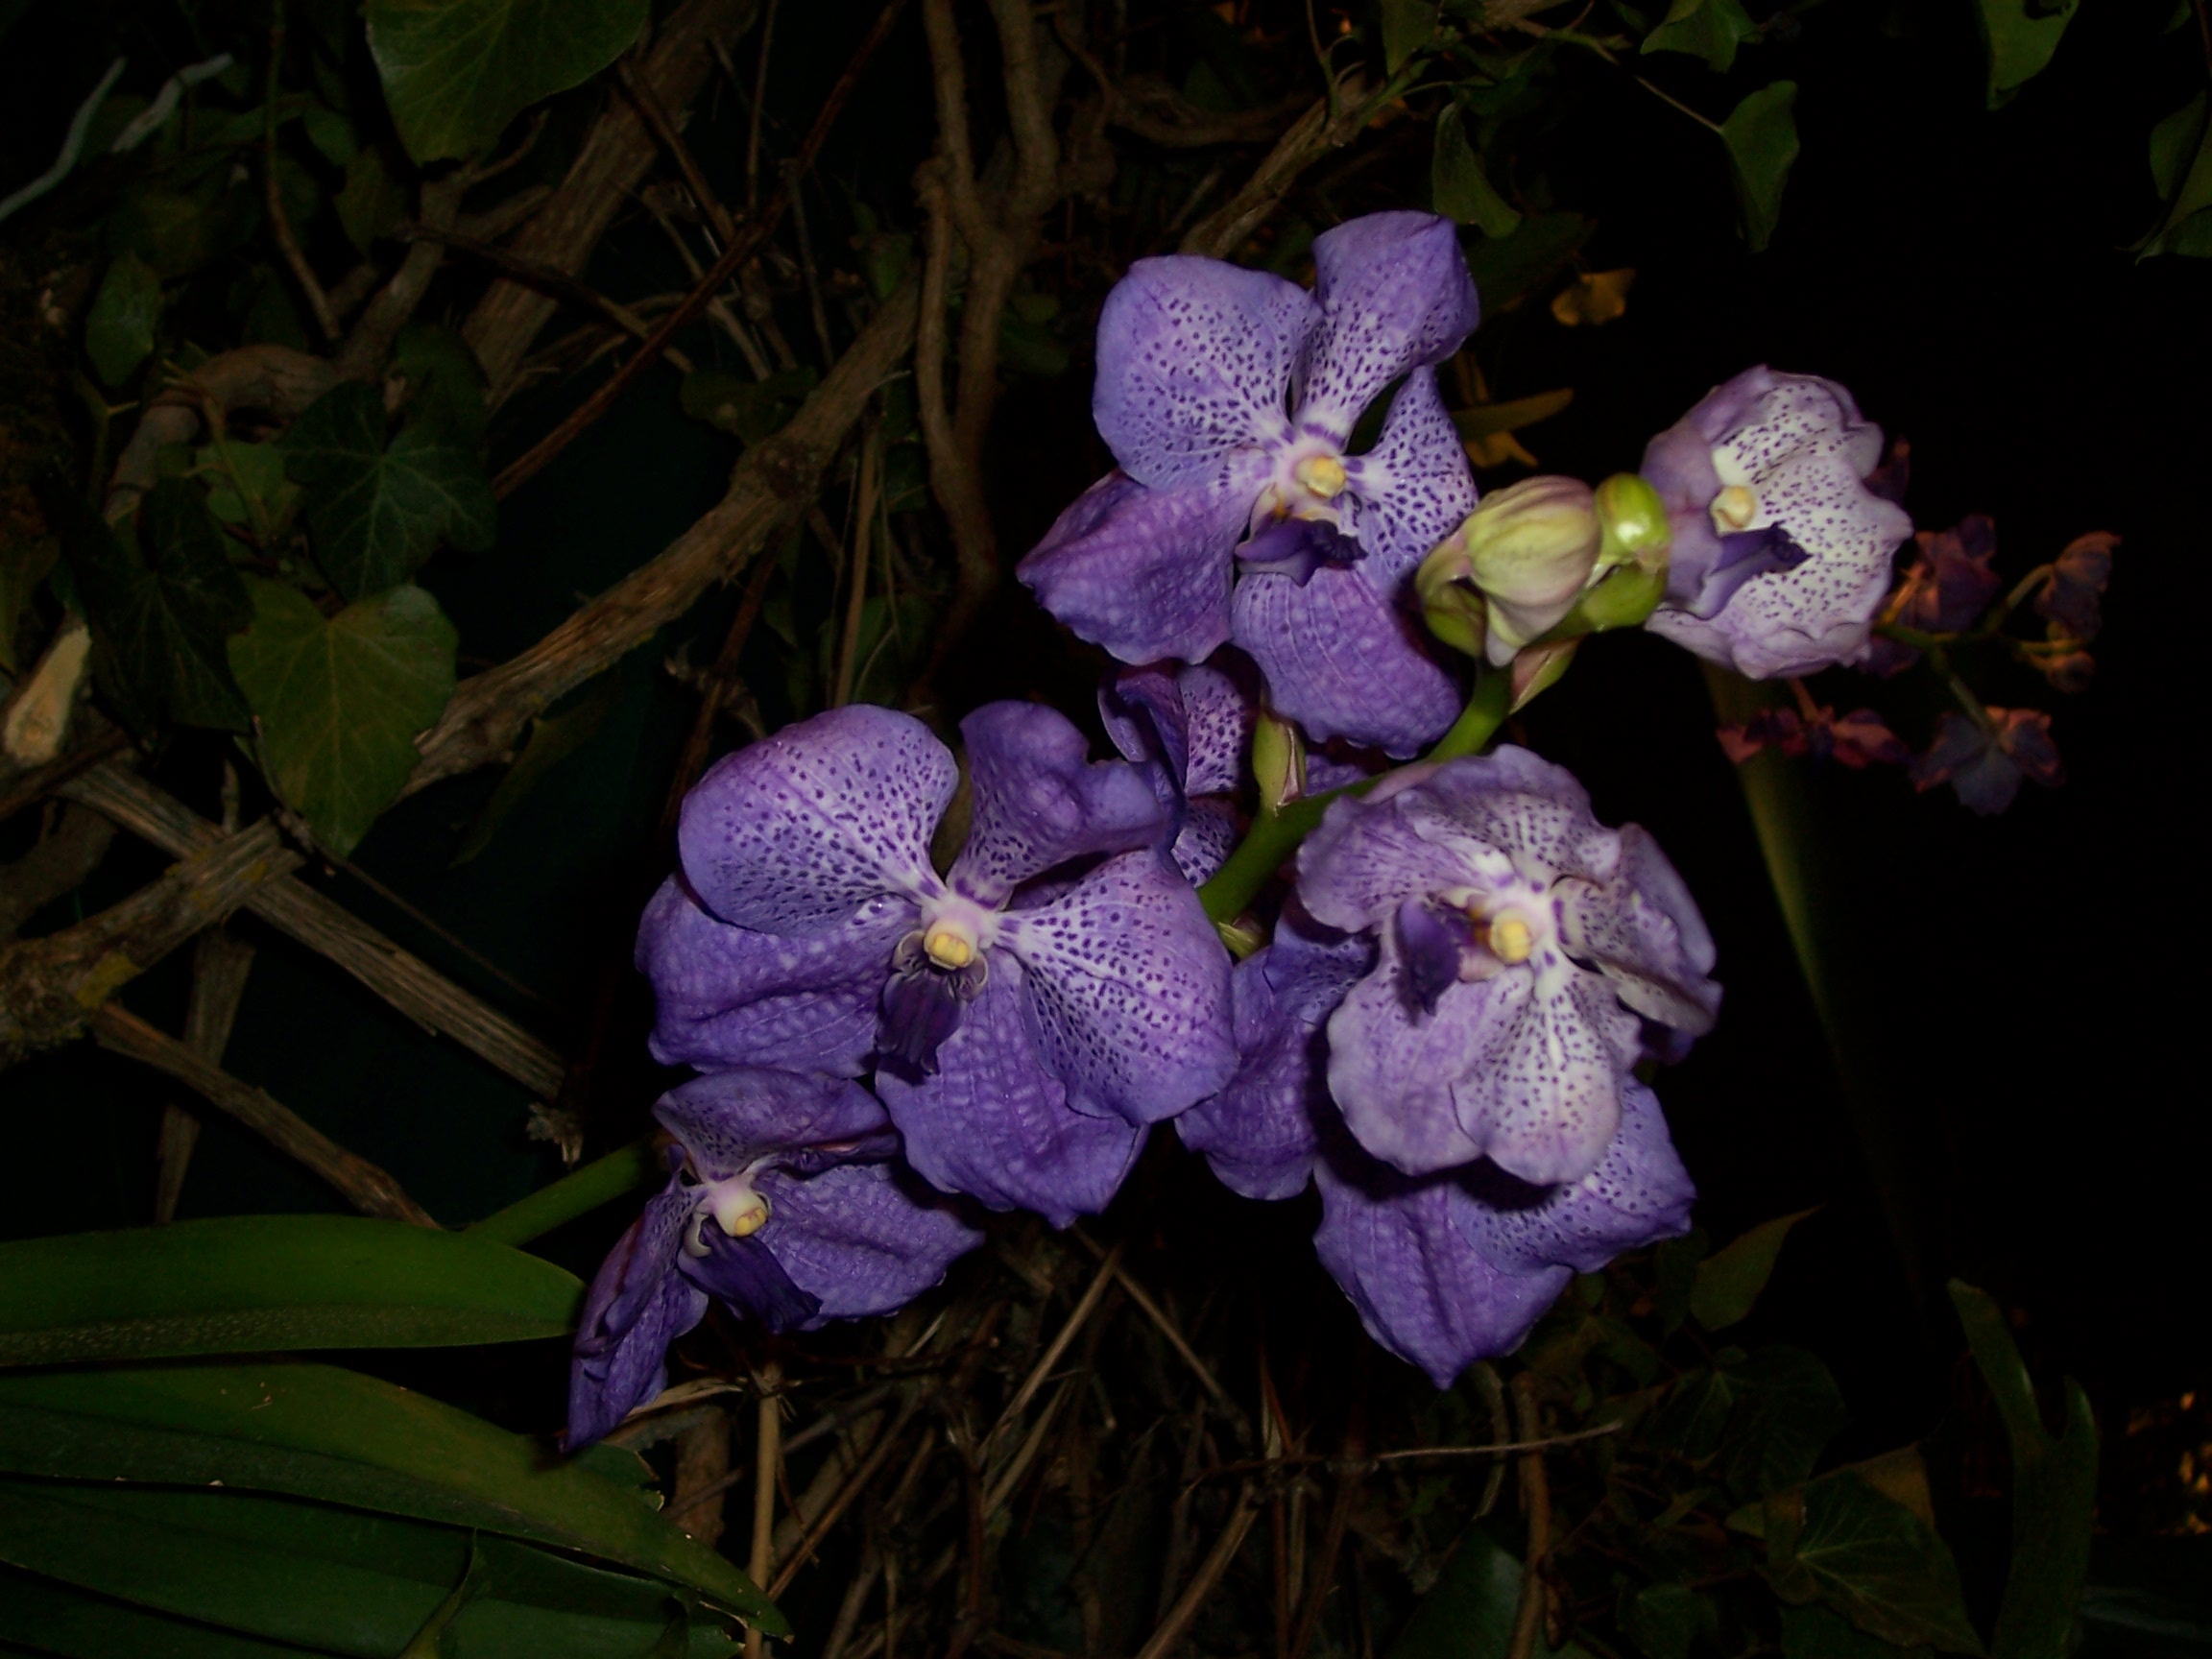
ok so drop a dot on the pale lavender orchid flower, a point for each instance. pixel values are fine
(1029, 1015)
(786, 1199)
(1782, 553)
(1522, 948)
(1229, 397)
(1447, 1268)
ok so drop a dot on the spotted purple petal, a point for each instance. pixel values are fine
(1260, 1133)
(1637, 1195)
(1145, 573)
(1203, 845)
(1643, 932)
(861, 1238)
(797, 831)
(1126, 991)
(1797, 450)
(726, 995)
(635, 1307)
(1342, 661)
(1524, 1068)
(1414, 488)
(1039, 800)
(1422, 1290)
(994, 1123)
(1194, 359)
(1366, 859)
(728, 1121)
(1394, 295)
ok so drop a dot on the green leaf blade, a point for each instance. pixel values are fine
(1761, 134)
(1728, 1283)
(1458, 187)
(340, 700)
(455, 72)
(268, 1284)
(1841, 1541)
(119, 330)
(2018, 42)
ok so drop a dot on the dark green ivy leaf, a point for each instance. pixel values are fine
(161, 603)
(1707, 29)
(379, 511)
(2181, 167)
(1841, 1541)
(2019, 38)
(1666, 1619)
(1812, 1632)
(1507, 272)
(1408, 26)
(1761, 138)
(444, 382)
(1728, 1283)
(119, 330)
(340, 699)
(455, 72)
(1457, 187)
(1761, 1418)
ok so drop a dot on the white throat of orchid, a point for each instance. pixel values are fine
(1515, 926)
(1310, 477)
(955, 931)
(1738, 506)
(732, 1204)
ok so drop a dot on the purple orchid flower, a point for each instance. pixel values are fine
(1984, 762)
(1523, 947)
(785, 1200)
(1782, 554)
(1948, 586)
(1228, 398)
(2073, 598)
(1030, 1015)
(1189, 730)
(1446, 1269)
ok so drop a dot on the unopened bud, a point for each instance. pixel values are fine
(1623, 599)
(1278, 762)
(1530, 549)
(1633, 522)
(1449, 603)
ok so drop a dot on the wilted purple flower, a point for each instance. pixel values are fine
(2074, 596)
(1189, 730)
(1984, 760)
(1948, 587)
(1781, 552)
(1523, 944)
(1446, 1269)
(785, 1198)
(1228, 398)
(1858, 739)
(1026, 1031)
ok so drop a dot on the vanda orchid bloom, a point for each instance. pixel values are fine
(1782, 554)
(786, 1201)
(1030, 1014)
(1447, 1268)
(1524, 949)
(1229, 399)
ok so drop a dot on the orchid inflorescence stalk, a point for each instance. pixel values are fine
(1435, 989)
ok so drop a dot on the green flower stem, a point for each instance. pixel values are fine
(1275, 835)
(579, 1192)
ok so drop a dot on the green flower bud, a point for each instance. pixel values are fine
(1278, 762)
(1449, 603)
(1531, 549)
(1633, 522)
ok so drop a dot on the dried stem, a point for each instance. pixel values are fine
(771, 481)
(49, 986)
(273, 194)
(409, 984)
(617, 152)
(1210, 1571)
(767, 1460)
(742, 249)
(368, 1189)
(670, 137)
(220, 964)
(1536, 1502)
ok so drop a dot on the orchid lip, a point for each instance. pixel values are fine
(735, 1207)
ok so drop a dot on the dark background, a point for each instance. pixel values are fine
(2021, 990)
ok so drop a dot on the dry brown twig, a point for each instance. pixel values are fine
(370, 1189)
(402, 980)
(220, 963)
(50, 986)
